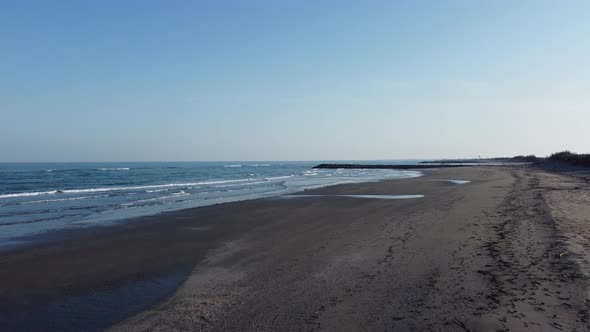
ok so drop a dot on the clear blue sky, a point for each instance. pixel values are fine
(292, 80)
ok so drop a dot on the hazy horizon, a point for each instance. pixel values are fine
(247, 160)
(285, 81)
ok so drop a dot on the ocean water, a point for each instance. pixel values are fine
(37, 198)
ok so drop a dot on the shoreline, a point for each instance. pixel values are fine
(393, 167)
(296, 245)
(88, 240)
(23, 238)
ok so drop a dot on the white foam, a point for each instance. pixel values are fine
(156, 191)
(29, 194)
(239, 184)
(169, 185)
(279, 177)
(62, 199)
(107, 189)
(114, 169)
(231, 166)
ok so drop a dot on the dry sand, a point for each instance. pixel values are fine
(506, 251)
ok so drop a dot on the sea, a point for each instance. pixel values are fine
(37, 199)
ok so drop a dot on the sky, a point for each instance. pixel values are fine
(292, 80)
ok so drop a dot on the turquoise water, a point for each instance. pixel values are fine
(36, 198)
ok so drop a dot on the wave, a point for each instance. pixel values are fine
(113, 169)
(279, 177)
(62, 199)
(156, 191)
(232, 166)
(240, 184)
(167, 189)
(37, 193)
(260, 165)
(106, 189)
(310, 173)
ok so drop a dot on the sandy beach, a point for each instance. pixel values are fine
(507, 251)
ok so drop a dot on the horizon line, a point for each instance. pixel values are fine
(245, 161)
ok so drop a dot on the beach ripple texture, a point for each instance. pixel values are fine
(37, 198)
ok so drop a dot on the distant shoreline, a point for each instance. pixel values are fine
(374, 166)
(421, 165)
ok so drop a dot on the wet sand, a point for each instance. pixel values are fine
(506, 251)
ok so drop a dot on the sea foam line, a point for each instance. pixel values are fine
(240, 184)
(62, 199)
(29, 194)
(106, 189)
(279, 177)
